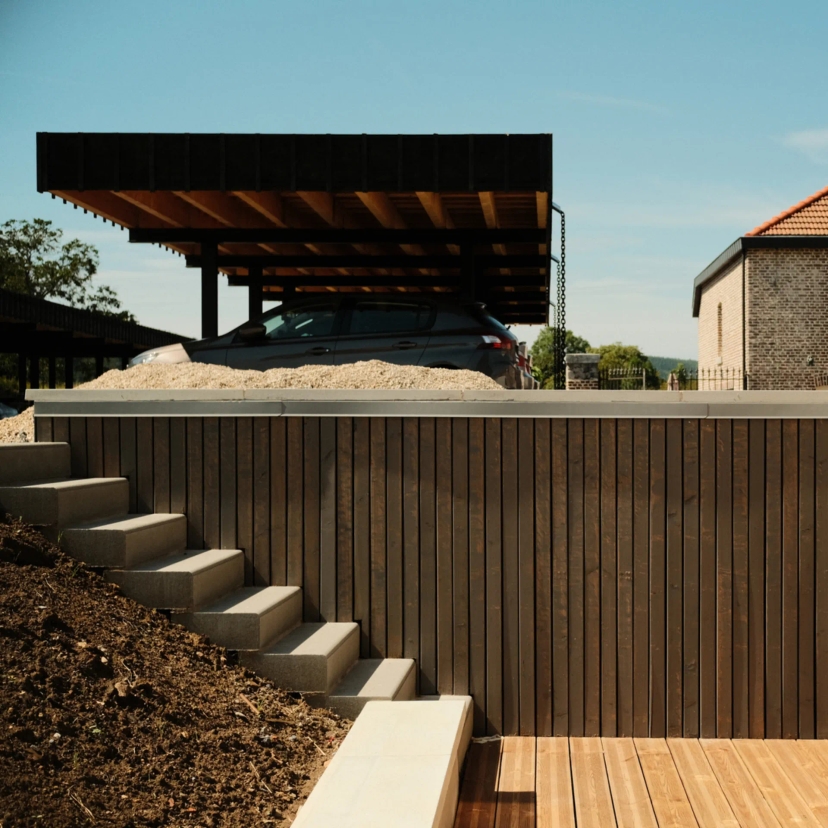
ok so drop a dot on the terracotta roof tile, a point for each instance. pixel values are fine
(808, 218)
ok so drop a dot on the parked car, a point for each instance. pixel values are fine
(7, 411)
(340, 329)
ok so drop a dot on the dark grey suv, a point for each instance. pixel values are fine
(339, 329)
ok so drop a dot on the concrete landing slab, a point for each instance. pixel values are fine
(249, 618)
(399, 766)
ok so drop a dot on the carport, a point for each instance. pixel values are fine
(287, 214)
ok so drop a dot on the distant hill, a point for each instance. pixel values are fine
(666, 364)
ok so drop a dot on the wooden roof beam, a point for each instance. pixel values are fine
(435, 207)
(386, 213)
(542, 201)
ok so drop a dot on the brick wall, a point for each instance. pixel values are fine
(727, 291)
(787, 317)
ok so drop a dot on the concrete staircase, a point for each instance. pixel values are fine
(146, 556)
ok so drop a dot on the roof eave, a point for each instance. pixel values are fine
(713, 270)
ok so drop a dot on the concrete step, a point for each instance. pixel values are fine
(61, 503)
(372, 679)
(125, 541)
(311, 658)
(399, 765)
(26, 462)
(191, 579)
(249, 618)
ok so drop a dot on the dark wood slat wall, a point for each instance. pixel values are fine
(577, 577)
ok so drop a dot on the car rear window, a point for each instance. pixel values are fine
(389, 317)
(294, 322)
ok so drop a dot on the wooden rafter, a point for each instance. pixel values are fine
(435, 207)
(542, 202)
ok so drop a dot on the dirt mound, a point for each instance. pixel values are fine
(111, 715)
(371, 374)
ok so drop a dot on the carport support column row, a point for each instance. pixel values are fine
(255, 295)
(209, 289)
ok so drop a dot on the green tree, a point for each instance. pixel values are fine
(627, 358)
(543, 353)
(34, 261)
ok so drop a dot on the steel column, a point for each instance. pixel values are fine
(255, 293)
(209, 289)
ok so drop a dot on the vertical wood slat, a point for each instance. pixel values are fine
(575, 503)
(328, 497)
(279, 481)
(494, 586)
(295, 499)
(790, 578)
(111, 447)
(592, 577)
(345, 519)
(690, 620)
(128, 458)
(161, 464)
(261, 502)
(77, 446)
(674, 580)
(707, 579)
(362, 531)
(773, 579)
(60, 429)
(477, 573)
(543, 578)
(658, 574)
(821, 576)
(511, 577)
(428, 557)
(94, 446)
(527, 631)
(724, 580)
(560, 578)
(641, 578)
(624, 569)
(144, 465)
(379, 648)
(195, 482)
(807, 574)
(445, 620)
(178, 465)
(244, 494)
(43, 429)
(411, 537)
(227, 483)
(311, 581)
(756, 579)
(212, 487)
(740, 579)
(460, 552)
(394, 548)
(610, 583)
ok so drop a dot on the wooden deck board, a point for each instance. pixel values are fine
(581, 782)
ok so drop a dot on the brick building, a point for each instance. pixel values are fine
(762, 305)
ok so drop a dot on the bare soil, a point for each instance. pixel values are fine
(113, 716)
(367, 375)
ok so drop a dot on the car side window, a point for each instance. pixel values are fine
(296, 322)
(372, 317)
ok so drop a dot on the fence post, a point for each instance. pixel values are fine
(643, 379)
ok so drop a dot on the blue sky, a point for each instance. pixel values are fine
(678, 126)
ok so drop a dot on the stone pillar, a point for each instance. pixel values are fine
(582, 372)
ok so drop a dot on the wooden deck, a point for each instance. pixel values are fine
(522, 782)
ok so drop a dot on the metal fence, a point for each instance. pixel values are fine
(705, 379)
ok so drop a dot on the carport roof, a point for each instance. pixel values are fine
(403, 213)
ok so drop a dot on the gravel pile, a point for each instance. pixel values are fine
(365, 375)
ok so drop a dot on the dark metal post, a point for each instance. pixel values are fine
(21, 374)
(69, 372)
(255, 295)
(124, 362)
(52, 371)
(34, 372)
(99, 364)
(209, 289)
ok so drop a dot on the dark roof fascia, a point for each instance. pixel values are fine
(723, 261)
(290, 163)
(54, 316)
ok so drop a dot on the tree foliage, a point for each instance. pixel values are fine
(628, 358)
(35, 261)
(543, 353)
